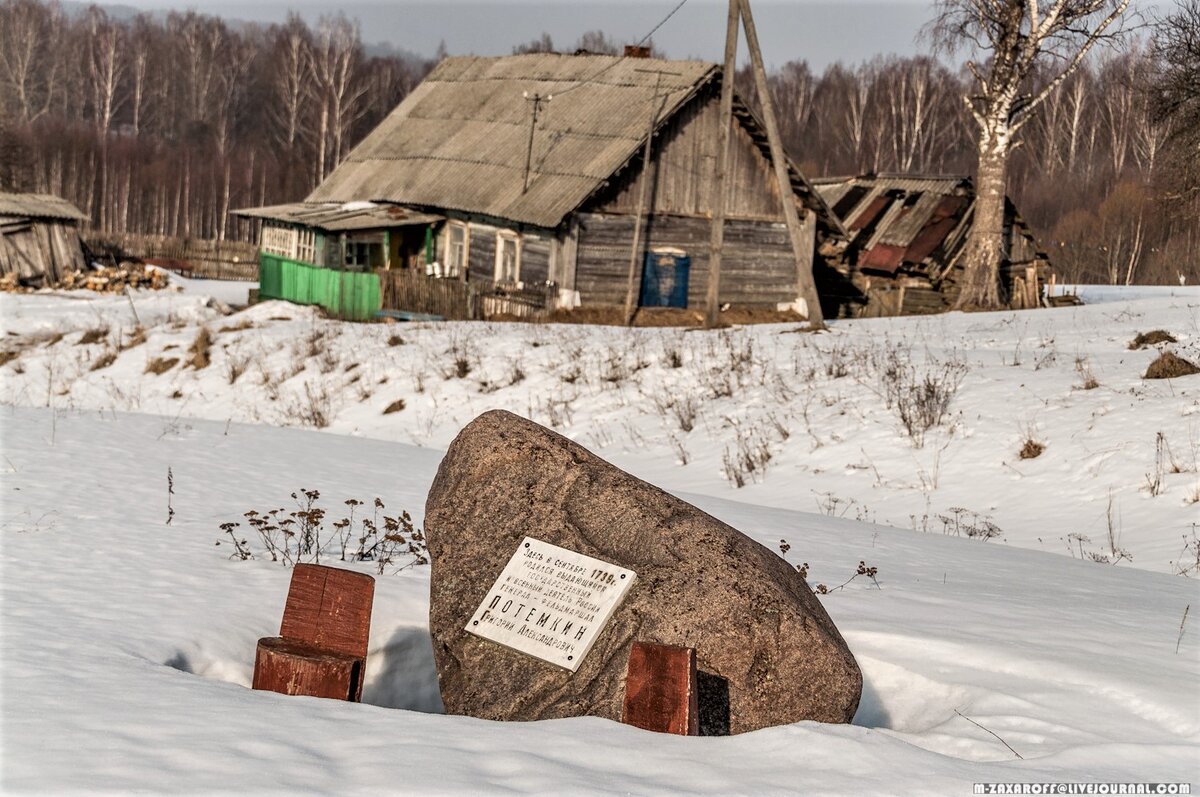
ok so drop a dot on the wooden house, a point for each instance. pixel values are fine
(39, 238)
(533, 165)
(905, 238)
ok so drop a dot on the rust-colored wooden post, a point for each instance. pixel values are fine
(660, 689)
(321, 649)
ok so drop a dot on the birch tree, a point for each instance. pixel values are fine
(1015, 38)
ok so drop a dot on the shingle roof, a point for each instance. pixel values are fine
(460, 140)
(38, 206)
(338, 216)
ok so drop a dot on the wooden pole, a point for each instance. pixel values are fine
(721, 166)
(537, 100)
(635, 271)
(806, 288)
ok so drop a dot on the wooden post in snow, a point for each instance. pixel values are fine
(806, 287)
(721, 166)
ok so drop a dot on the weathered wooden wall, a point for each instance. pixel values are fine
(684, 153)
(535, 259)
(757, 267)
(33, 248)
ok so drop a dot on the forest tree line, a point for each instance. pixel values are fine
(162, 125)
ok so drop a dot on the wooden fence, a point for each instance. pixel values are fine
(411, 291)
(192, 257)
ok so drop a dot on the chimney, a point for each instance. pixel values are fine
(634, 51)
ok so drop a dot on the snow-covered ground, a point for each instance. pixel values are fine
(801, 421)
(128, 643)
(1101, 294)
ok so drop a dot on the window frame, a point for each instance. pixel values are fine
(502, 237)
(457, 269)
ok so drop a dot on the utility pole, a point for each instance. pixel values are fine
(721, 167)
(648, 176)
(806, 287)
(537, 100)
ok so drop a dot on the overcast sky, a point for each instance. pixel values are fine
(821, 31)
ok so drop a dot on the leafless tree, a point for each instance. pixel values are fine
(293, 57)
(1176, 98)
(29, 34)
(337, 57)
(1016, 38)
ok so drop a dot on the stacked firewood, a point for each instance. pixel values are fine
(102, 280)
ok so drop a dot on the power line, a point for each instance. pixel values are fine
(640, 43)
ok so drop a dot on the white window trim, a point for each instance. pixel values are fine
(501, 237)
(457, 270)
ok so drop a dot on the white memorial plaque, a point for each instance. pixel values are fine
(551, 603)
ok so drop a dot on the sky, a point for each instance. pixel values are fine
(819, 31)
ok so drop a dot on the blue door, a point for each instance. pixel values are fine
(665, 280)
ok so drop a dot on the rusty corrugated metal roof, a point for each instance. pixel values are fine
(899, 219)
(338, 216)
(460, 140)
(38, 206)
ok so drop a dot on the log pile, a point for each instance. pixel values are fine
(102, 280)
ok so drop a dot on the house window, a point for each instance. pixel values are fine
(358, 255)
(306, 246)
(458, 242)
(508, 257)
(278, 240)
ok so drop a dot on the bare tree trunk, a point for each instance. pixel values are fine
(984, 250)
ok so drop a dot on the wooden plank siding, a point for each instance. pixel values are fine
(684, 152)
(535, 259)
(758, 268)
(39, 248)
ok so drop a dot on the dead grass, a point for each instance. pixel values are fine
(201, 349)
(1170, 366)
(53, 338)
(160, 365)
(1032, 449)
(106, 358)
(136, 338)
(395, 340)
(239, 327)
(395, 406)
(1152, 338)
(8, 356)
(93, 336)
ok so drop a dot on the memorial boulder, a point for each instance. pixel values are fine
(548, 563)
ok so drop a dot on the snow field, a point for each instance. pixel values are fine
(129, 644)
(799, 421)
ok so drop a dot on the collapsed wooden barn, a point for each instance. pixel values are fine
(906, 237)
(533, 165)
(39, 238)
